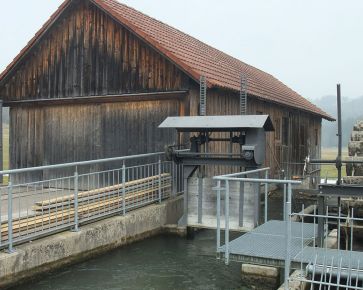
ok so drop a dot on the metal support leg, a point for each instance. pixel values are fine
(321, 208)
(256, 188)
(200, 198)
(76, 181)
(283, 202)
(288, 238)
(266, 197)
(124, 188)
(160, 192)
(226, 230)
(10, 217)
(218, 215)
(241, 202)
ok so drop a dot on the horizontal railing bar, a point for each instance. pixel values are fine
(327, 216)
(257, 180)
(244, 173)
(79, 163)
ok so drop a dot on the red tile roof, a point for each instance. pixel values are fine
(195, 58)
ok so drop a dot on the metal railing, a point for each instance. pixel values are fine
(331, 265)
(237, 177)
(98, 189)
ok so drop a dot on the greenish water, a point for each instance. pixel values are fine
(162, 262)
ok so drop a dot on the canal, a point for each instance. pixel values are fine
(161, 262)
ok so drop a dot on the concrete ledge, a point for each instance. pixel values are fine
(55, 251)
(260, 277)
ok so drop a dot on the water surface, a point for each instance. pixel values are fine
(161, 262)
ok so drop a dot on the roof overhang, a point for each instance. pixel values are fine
(228, 123)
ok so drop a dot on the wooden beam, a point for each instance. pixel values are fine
(136, 97)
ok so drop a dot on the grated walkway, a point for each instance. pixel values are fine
(266, 245)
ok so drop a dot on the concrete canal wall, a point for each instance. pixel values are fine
(55, 251)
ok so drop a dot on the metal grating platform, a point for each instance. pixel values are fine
(266, 244)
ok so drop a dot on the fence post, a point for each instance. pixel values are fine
(284, 201)
(266, 196)
(76, 177)
(218, 215)
(10, 216)
(226, 230)
(123, 188)
(288, 238)
(159, 163)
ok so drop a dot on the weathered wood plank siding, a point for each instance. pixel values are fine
(59, 134)
(303, 132)
(87, 53)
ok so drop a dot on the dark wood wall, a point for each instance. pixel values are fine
(60, 134)
(86, 53)
(302, 133)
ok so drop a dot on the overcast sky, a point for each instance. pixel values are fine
(310, 45)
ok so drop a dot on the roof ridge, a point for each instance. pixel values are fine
(193, 56)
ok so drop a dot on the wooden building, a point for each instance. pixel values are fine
(99, 77)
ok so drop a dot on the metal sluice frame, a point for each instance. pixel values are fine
(31, 210)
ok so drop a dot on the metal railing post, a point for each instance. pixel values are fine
(123, 188)
(284, 201)
(218, 215)
(288, 238)
(76, 180)
(226, 230)
(266, 196)
(10, 216)
(159, 165)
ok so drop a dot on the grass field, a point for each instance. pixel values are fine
(329, 170)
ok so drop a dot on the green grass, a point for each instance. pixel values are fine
(329, 170)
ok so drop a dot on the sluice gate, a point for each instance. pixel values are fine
(241, 142)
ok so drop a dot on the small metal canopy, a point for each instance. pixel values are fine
(228, 123)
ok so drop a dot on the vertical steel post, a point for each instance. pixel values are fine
(76, 177)
(159, 165)
(266, 196)
(10, 215)
(226, 230)
(339, 158)
(218, 215)
(340, 144)
(284, 201)
(241, 202)
(288, 238)
(123, 188)
(321, 207)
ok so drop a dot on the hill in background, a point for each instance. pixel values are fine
(352, 110)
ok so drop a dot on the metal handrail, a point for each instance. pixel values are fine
(79, 163)
(287, 207)
(73, 191)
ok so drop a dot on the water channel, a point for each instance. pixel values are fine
(161, 262)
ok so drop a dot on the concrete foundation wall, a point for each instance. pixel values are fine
(68, 247)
